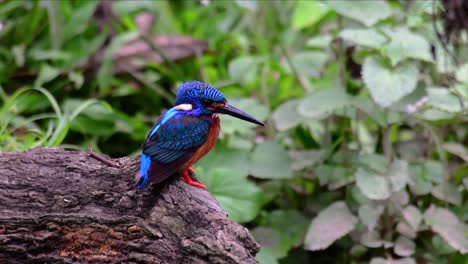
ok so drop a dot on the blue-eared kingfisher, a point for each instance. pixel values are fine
(185, 133)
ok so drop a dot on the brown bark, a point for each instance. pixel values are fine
(60, 206)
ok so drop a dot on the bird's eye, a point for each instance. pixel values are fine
(207, 102)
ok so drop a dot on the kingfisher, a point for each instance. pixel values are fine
(185, 133)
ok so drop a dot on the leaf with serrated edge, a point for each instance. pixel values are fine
(388, 85)
(448, 226)
(332, 223)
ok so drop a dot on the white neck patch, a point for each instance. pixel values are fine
(184, 107)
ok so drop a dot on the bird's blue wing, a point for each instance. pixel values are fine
(170, 144)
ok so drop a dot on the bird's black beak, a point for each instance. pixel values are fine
(232, 111)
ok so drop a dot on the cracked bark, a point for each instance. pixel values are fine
(60, 206)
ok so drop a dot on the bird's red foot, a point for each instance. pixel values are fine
(189, 180)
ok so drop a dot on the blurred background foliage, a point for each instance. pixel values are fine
(364, 158)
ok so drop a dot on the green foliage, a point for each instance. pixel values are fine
(364, 156)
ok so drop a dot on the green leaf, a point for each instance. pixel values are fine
(371, 239)
(243, 69)
(369, 215)
(456, 149)
(271, 161)
(280, 220)
(46, 74)
(307, 63)
(365, 37)
(306, 158)
(413, 216)
(448, 226)
(286, 115)
(442, 99)
(398, 175)
(447, 191)
(405, 44)
(388, 85)
(235, 194)
(366, 11)
(404, 247)
(223, 157)
(332, 223)
(321, 41)
(333, 176)
(308, 13)
(373, 161)
(266, 256)
(462, 73)
(321, 103)
(373, 186)
(420, 180)
(271, 239)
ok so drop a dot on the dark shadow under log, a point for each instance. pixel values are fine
(60, 206)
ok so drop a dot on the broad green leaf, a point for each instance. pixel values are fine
(307, 63)
(369, 215)
(305, 158)
(442, 99)
(373, 186)
(223, 157)
(447, 191)
(243, 69)
(308, 13)
(277, 234)
(462, 73)
(434, 171)
(404, 247)
(291, 235)
(332, 223)
(270, 161)
(398, 175)
(448, 226)
(373, 161)
(286, 115)
(388, 85)
(366, 11)
(405, 44)
(46, 74)
(333, 176)
(420, 181)
(321, 41)
(365, 37)
(321, 103)
(441, 247)
(371, 239)
(413, 216)
(235, 194)
(456, 149)
(270, 238)
(266, 256)
(405, 229)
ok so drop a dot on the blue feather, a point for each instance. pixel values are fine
(143, 174)
(168, 115)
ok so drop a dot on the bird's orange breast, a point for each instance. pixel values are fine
(206, 147)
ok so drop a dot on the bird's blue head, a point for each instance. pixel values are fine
(199, 98)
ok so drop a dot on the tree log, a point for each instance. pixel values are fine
(59, 206)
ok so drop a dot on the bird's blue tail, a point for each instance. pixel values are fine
(143, 179)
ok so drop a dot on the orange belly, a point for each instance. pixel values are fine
(206, 147)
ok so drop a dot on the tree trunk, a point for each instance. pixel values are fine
(60, 206)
